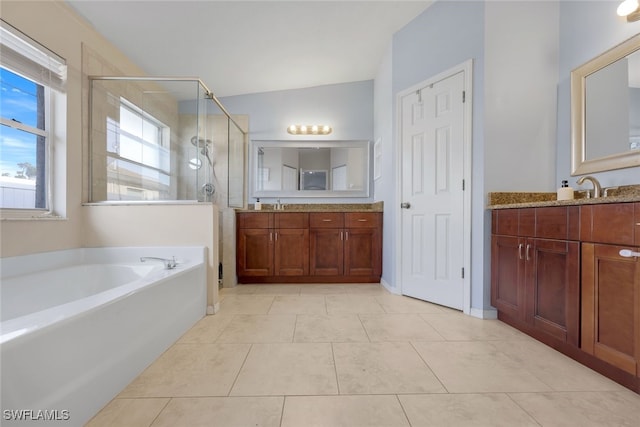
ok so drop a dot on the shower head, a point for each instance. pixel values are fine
(204, 143)
(200, 141)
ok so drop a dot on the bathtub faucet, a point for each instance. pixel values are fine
(168, 263)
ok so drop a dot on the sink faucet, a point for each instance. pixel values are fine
(597, 189)
(168, 263)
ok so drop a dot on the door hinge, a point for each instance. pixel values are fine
(463, 185)
(464, 96)
(463, 272)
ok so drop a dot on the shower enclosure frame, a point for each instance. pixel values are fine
(208, 95)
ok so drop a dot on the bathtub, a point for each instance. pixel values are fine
(78, 325)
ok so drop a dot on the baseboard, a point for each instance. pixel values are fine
(213, 309)
(483, 314)
(388, 287)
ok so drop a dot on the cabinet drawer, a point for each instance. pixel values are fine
(608, 223)
(362, 220)
(514, 222)
(255, 220)
(557, 223)
(292, 220)
(326, 220)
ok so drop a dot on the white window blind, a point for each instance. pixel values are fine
(29, 58)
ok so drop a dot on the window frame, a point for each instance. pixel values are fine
(31, 56)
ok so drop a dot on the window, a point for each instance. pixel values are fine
(32, 85)
(138, 156)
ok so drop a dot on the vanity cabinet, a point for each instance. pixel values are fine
(557, 275)
(535, 269)
(309, 247)
(273, 244)
(348, 244)
(611, 284)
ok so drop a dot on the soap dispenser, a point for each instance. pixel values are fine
(257, 206)
(565, 192)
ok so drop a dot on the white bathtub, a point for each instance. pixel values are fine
(77, 326)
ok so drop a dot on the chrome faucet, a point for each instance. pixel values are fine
(168, 263)
(597, 189)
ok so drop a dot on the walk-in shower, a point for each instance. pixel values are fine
(162, 139)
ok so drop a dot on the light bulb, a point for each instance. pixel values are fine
(326, 129)
(292, 129)
(627, 7)
(314, 129)
(303, 129)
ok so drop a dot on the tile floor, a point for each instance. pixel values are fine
(358, 356)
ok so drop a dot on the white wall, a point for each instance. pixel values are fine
(587, 29)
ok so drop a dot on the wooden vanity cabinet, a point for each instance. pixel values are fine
(348, 244)
(326, 240)
(273, 244)
(309, 247)
(535, 270)
(611, 285)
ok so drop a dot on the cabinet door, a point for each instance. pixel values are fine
(255, 252)
(611, 306)
(362, 252)
(507, 271)
(291, 254)
(552, 270)
(326, 252)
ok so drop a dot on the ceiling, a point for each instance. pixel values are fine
(239, 47)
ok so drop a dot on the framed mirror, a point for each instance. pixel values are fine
(605, 111)
(310, 168)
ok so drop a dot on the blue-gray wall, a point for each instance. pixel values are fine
(587, 29)
(445, 35)
(347, 107)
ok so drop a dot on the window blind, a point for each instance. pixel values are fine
(30, 59)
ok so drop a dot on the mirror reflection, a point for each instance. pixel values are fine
(612, 108)
(311, 169)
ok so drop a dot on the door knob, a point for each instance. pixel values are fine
(405, 205)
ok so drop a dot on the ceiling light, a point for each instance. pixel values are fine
(630, 9)
(309, 129)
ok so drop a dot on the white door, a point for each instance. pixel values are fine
(432, 126)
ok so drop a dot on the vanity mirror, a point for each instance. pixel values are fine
(605, 111)
(310, 168)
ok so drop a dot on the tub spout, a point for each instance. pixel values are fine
(168, 263)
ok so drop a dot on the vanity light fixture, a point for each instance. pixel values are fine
(630, 9)
(309, 129)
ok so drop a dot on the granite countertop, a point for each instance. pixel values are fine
(509, 200)
(319, 207)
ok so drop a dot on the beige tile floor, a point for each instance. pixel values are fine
(358, 356)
